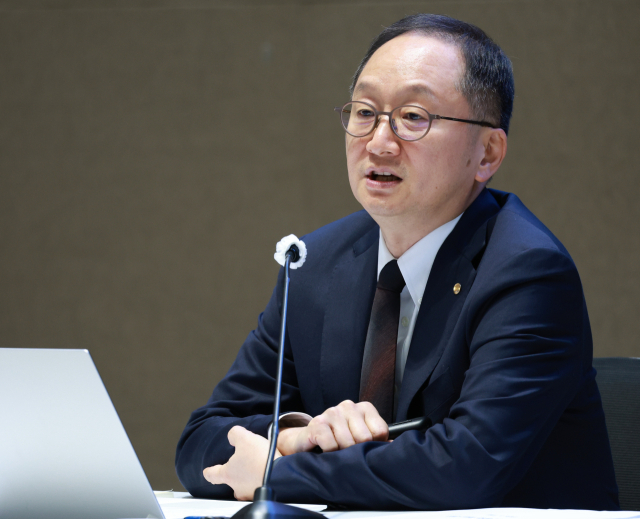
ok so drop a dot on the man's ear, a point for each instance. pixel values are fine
(494, 141)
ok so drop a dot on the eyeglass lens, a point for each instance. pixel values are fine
(408, 122)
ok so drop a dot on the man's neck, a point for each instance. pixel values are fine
(400, 237)
(400, 233)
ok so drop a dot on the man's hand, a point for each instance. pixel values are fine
(245, 469)
(337, 428)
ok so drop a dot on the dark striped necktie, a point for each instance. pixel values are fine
(379, 363)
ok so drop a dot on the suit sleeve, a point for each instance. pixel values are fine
(524, 338)
(244, 397)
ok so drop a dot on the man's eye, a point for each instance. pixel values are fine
(365, 113)
(413, 116)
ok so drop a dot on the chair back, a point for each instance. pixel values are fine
(619, 381)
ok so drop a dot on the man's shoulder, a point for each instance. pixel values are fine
(516, 228)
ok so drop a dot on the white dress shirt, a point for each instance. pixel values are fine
(415, 265)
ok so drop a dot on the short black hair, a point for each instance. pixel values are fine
(487, 83)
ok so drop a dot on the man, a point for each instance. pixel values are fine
(493, 338)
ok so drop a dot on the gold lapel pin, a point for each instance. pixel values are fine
(456, 288)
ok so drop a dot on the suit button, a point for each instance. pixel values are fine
(456, 288)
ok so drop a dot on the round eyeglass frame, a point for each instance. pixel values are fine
(378, 113)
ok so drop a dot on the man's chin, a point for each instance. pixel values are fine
(382, 209)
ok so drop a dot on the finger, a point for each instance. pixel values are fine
(378, 427)
(354, 414)
(215, 475)
(355, 417)
(342, 433)
(338, 420)
(335, 432)
(344, 422)
(294, 439)
(321, 434)
(235, 434)
(304, 441)
(359, 428)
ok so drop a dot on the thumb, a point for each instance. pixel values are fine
(235, 433)
(214, 475)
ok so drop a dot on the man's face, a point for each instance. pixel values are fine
(433, 179)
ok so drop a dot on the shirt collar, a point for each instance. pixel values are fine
(415, 264)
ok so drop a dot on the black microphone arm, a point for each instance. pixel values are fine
(263, 506)
(291, 256)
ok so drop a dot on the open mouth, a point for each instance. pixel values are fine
(383, 176)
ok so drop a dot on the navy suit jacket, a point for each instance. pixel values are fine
(502, 369)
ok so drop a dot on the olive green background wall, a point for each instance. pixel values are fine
(153, 152)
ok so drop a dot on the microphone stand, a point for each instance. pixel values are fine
(263, 506)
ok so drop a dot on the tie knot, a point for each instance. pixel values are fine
(391, 278)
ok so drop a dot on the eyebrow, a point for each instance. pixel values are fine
(417, 88)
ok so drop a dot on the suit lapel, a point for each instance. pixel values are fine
(346, 320)
(455, 262)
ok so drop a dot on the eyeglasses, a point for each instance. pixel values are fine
(408, 122)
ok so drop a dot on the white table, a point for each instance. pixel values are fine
(177, 505)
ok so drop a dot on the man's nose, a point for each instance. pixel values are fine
(383, 141)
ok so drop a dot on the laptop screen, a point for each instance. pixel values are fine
(64, 452)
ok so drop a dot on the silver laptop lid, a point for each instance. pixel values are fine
(63, 450)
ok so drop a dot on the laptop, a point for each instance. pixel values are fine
(64, 453)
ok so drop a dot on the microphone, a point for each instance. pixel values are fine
(415, 424)
(290, 253)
